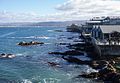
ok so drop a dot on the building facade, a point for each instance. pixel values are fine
(106, 32)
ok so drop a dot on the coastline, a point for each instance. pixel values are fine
(30, 26)
(74, 55)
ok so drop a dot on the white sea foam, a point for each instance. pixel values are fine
(43, 37)
(19, 54)
(12, 37)
(88, 69)
(26, 81)
(31, 37)
(50, 30)
(51, 80)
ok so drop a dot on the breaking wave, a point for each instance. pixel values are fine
(31, 37)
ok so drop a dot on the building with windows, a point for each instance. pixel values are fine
(99, 21)
(109, 33)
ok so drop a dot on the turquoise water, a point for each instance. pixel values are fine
(30, 64)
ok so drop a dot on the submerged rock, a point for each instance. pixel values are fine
(53, 64)
(58, 53)
(64, 43)
(29, 43)
(72, 52)
(2, 56)
(58, 30)
(72, 59)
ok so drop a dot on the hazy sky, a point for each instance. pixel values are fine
(56, 10)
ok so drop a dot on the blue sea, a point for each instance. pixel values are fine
(31, 62)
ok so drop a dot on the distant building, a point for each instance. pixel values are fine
(115, 20)
(98, 21)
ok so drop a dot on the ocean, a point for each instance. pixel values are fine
(31, 62)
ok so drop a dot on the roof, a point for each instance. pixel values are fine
(98, 18)
(114, 17)
(110, 28)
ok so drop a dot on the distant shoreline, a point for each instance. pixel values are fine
(43, 24)
(30, 26)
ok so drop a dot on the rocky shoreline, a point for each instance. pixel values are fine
(107, 66)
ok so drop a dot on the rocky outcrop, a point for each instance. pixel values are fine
(74, 28)
(106, 73)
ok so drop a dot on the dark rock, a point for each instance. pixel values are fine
(3, 56)
(74, 28)
(64, 43)
(107, 74)
(70, 38)
(99, 64)
(107, 69)
(54, 64)
(58, 30)
(72, 59)
(10, 55)
(72, 52)
(115, 77)
(111, 78)
(91, 75)
(29, 43)
(78, 46)
(79, 40)
(93, 51)
(57, 53)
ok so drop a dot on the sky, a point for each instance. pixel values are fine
(56, 10)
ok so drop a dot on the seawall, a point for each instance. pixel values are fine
(113, 50)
